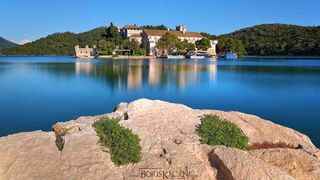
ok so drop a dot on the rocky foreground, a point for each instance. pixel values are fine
(170, 148)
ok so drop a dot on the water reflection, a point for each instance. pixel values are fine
(135, 74)
(36, 92)
(84, 67)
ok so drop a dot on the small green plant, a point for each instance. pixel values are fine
(214, 131)
(122, 143)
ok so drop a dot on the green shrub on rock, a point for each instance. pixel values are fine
(122, 143)
(215, 131)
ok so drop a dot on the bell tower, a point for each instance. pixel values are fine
(181, 28)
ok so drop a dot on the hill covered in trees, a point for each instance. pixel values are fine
(6, 43)
(279, 39)
(57, 44)
(266, 39)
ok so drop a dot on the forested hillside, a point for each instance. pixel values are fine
(6, 44)
(266, 39)
(56, 44)
(279, 39)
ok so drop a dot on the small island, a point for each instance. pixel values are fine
(132, 41)
(258, 40)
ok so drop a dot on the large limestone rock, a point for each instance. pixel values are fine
(266, 133)
(296, 162)
(236, 164)
(168, 140)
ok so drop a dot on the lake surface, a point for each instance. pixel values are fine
(36, 92)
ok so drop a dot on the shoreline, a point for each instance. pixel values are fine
(154, 57)
(282, 57)
(126, 57)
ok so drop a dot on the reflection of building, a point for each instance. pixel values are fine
(212, 70)
(154, 73)
(85, 52)
(134, 76)
(84, 67)
(180, 74)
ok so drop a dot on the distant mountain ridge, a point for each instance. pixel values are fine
(6, 43)
(58, 44)
(279, 39)
(265, 39)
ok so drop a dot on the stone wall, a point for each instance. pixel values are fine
(85, 52)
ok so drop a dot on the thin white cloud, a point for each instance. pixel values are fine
(24, 41)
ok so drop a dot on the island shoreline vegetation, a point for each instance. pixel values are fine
(259, 40)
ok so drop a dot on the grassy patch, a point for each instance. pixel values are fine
(122, 143)
(215, 131)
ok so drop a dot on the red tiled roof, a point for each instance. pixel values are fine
(136, 35)
(131, 27)
(155, 32)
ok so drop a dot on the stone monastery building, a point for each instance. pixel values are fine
(149, 37)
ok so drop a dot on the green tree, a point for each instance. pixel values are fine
(203, 44)
(125, 43)
(105, 47)
(229, 44)
(185, 46)
(140, 52)
(113, 35)
(209, 36)
(133, 45)
(167, 43)
(158, 27)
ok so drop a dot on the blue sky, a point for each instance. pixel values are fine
(23, 20)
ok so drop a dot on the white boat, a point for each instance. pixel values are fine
(197, 56)
(175, 57)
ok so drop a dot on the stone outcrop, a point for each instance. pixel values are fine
(236, 164)
(170, 148)
(296, 162)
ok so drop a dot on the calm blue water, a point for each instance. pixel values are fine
(36, 92)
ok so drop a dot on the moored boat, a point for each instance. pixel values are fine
(228, 56)
(175, 56)
(198, 55)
